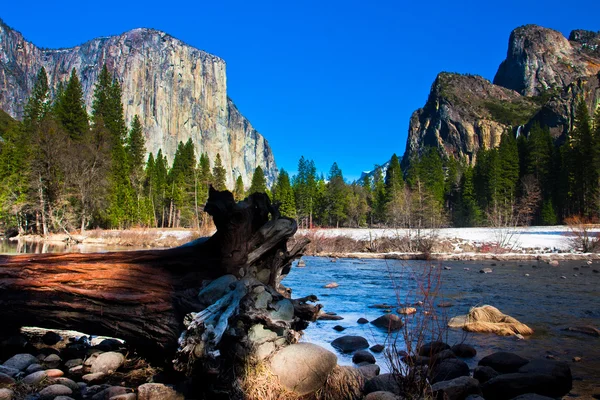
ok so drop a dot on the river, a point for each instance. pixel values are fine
(544, 300)
(547, 298)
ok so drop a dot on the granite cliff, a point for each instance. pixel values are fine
(178, 91)
(540, 81)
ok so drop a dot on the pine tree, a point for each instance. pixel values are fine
(238, 192)
(219, 174)
(379, 196)
(259, 183)
(305, 186)
(394, 181)
(508, 158)
(283, 194)
(204, 178)
(135, 146)
(470, 214)
(582, 162)
(337, 195)
(70, 109)
(38, 103)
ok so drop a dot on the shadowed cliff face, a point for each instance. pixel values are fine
(178, 91)
(540, 81)
(463, 114)
(539, 59)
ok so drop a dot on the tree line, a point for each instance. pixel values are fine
(62, 169)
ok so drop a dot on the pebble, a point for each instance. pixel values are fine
(6, 394)
(20, 361)
(55, 390)
(35, 378)
(576, 359)
(54, 373)
(6, 380)
(93, 378)
(331, 285)
(74, 362)
(107, 362)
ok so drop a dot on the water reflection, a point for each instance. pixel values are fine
(22, 247)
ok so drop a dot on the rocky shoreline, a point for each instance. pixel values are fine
(546, 257)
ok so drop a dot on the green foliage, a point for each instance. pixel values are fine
(69, 108)
(548, 216)
(305, 191)
(135, 146)
(38, 103)
(238, 191)
(513, 113)
(259, 183)
(283, 194)
(219, 174)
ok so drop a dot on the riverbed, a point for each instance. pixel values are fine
(547, 298)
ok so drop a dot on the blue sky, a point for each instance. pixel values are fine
(330, 80)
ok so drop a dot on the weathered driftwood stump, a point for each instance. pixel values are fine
(205, 305)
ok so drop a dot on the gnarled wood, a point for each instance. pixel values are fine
(143, 296)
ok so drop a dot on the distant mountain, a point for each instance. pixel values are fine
(178, 91)
(540, 81)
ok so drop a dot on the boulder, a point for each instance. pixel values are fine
(339, 328)
(157, 391)
(94, 378)
(383, 383)
(464, 350)
(303, 367)
(363, 356)
(127, 396)
(107, 362)
(109, 345)
(432, 348)
(362, 320)
(283, 310)
(503, 362)
(52, 391)
(390, 322)
(508, 386)
(449, 369)
(20, 361)
(9, 371)
(484, 374)
(33, 368)
(73, 362)
(52, 361)
(406, 310)
(350, 344)
(562, 381)
(332, 285)
(50, 338)
(54, 373)
(456, 389)
(381, 395)
(67, 382)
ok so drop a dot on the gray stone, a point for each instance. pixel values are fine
(107, 362)
(349, 343)
(109, 392)
(20, 361)
(383, 383)
(464, 350)
(362, 320)
(363, 356)
(6, 380)
(264, 350)
(284, 310)
(93, 378)
(390, 322)
(303, 367)
(33, 368)
(486, 270)
(67, 382)
(216, 289)
(35, 378)
(257, 334)
(369, 370)
(157, 391)
(484, 374)
(127, 396)
(52, 391)
(381, 395)
(507, 386)
(9, 371)
(74, 362)
(262, 300)
(52, 361)
(431, 348)
(456, 389)
(377, 348)
(442, 355)
(6, 394)
(448, 369)
(503, 362)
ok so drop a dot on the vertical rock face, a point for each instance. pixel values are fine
(539, 59)
(178, 91)
(463, 114)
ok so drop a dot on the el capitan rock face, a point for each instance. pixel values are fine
(178, 91)
(540, 81)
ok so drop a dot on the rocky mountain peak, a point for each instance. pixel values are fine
(539, 59)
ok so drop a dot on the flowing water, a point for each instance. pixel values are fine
(544, 300)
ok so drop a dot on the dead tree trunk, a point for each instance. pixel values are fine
(143, 296)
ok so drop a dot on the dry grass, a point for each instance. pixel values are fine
(146, 237)
(259, 383)
(342, 383)
(488, 319)
(582, 238)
